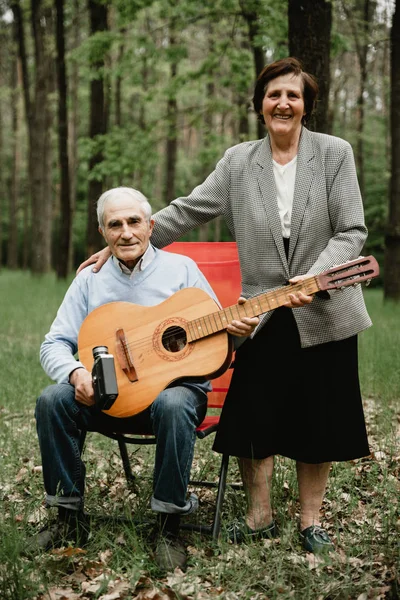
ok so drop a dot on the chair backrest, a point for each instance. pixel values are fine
(219, 262)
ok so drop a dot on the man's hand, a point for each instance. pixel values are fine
(99, 258)
(82, 382)
(298, 299)
(245, 326)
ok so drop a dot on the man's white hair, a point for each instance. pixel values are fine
(114, 194)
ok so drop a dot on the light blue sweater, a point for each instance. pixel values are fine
(165, 275)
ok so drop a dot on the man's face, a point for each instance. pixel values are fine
(126, 229)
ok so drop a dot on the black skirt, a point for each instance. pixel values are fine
(302, 403)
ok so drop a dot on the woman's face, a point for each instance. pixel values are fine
(283, 105)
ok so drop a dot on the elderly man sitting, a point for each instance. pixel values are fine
(139, 273)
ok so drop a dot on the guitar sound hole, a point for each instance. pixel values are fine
(174, 339)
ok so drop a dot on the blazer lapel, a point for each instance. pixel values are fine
(304, 177)
(266, 182)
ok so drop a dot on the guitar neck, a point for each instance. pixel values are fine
(254, 307)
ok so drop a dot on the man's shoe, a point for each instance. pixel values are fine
(59, 533)
(170, 553)
(316, 540)
(239, 532)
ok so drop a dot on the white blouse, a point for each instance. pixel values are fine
(285, 176)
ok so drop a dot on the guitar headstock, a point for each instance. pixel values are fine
(364, 268)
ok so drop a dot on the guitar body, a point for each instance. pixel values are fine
(150, 346)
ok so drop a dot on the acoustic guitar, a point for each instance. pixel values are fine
(185, 336)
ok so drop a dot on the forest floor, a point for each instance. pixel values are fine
(360, 511)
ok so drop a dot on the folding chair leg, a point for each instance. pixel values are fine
(125, 461)
(220, 496)
(82, 440)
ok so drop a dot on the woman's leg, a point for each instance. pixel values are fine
(312, 480)
(257, 477)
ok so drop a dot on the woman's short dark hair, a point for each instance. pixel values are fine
(283, 67)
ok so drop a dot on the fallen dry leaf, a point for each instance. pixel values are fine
(75, 578)
(296, 559)
(60, 594)
(314, 561)
(21, 474)
(91, 587)
(121, 589)
(153, 594)
(105, 556)
(69, 551)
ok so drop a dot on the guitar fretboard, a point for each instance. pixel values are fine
(254, 307)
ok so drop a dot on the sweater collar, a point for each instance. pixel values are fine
(141, 265)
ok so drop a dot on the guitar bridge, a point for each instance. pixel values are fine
(124, 356)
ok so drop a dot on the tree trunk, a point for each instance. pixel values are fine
(26, 242)
(386, 89)
(40, 136)
(209, 128)
(392, 238)
(19, 37)
(362, 52)
(2, 161)
(118, 86)
(73, 124)
(171, 149)
(98, 126)
(20, 41)
(243, 108)
(65, 212)
(361, 28)
(244, 130)
(12, 248)
(310, 23)
(249, 12)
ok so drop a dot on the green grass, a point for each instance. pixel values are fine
(361, 509)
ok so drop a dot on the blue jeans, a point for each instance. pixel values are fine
(172, 417)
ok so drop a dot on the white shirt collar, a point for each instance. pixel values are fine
(142, 263)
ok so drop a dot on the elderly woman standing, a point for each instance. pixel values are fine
(293, 205)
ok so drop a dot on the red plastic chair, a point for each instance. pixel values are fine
(219, 262)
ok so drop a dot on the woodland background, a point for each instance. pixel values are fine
(149, 94)
(101, 93)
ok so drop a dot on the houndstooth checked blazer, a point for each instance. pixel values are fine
(327, 226)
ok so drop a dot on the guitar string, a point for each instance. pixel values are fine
(172, 331)
(279, 294)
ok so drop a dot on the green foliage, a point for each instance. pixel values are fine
(128, 11)
(239, 75)
(379, 372)
(15, 574)
(213, 54)
(339, 44)
(176, 53)
(129, 155)
(95, 50)
(377, 181)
